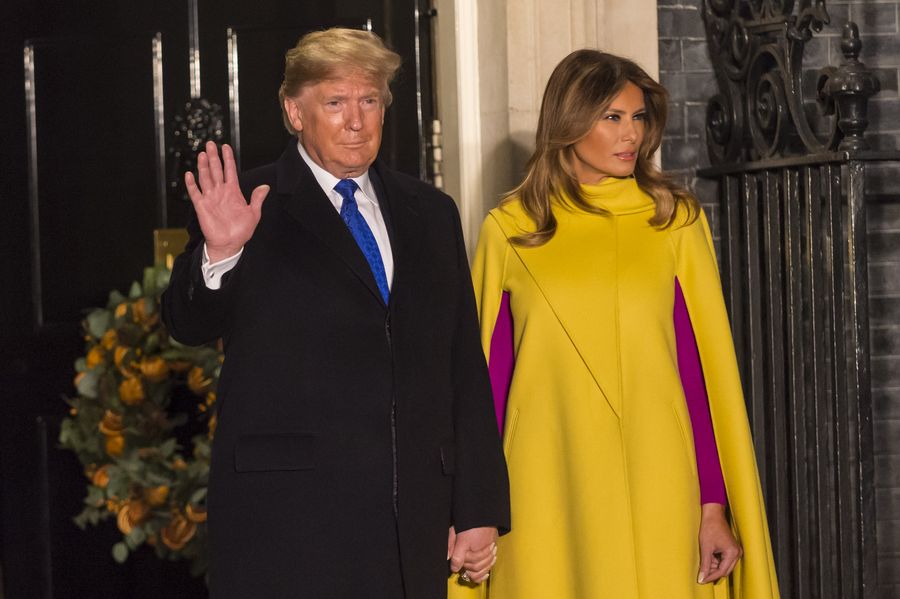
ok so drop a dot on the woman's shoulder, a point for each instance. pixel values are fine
(690, 231)
(510, 216)
(689, 218)
(508, 208)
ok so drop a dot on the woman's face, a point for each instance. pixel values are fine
(610, 149)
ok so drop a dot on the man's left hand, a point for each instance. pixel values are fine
(473, 551)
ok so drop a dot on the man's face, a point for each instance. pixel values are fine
(339, 121)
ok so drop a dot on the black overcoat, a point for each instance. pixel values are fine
(350, 434)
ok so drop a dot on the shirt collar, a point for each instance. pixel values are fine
(327, 181)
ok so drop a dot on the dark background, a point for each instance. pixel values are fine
(96, 210)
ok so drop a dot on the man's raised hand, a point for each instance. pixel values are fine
(225, 217)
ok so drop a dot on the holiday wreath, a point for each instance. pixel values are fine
(141, 426)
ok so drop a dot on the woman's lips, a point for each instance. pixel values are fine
(629, 156)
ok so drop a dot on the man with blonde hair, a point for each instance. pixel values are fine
(356, 453)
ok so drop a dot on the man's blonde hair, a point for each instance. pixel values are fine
(322, 55)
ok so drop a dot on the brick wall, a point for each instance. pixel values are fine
(685, 69)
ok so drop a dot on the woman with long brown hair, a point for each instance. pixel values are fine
(630, 459)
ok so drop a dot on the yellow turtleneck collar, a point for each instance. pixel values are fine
(618, 195)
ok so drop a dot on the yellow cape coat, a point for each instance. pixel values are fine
(604, 491)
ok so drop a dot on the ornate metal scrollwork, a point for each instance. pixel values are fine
(757, 50)
(201, 121)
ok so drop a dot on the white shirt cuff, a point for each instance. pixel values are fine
(213, 272)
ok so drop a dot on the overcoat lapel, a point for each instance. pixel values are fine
(403, 224)
(553, 266)
(303, 199)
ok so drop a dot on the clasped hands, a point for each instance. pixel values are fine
(472, 552)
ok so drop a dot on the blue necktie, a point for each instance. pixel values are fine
(362, 234)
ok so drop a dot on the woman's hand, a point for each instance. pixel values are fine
(719, 550)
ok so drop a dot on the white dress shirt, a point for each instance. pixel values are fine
(368, 207)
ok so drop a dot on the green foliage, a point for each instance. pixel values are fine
(122, 428)
(120, 552)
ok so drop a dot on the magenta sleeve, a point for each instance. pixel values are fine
(502, 359)
(709, 470)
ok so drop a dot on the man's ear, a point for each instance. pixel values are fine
(295, 116)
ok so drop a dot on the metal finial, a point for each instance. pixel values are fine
(850, 86)
(850, 42)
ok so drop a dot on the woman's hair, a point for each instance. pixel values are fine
(324, 54)
(579, 91)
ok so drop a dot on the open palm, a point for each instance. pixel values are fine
(225, 217)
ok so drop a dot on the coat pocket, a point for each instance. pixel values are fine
(267, 453)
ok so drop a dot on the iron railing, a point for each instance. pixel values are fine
(792, 191)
